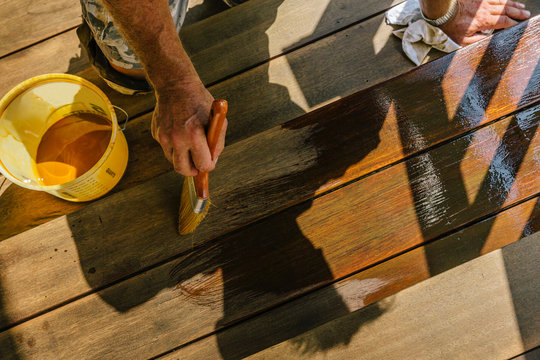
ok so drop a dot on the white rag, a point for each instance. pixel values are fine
(418, 37)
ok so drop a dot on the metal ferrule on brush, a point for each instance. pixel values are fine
(197, 204)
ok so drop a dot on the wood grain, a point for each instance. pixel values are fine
(255, 115)
(468, 312)
(364, 288)
(26, 22)
(266, 29)
(125, 303)
(246, 120)
(293, 252)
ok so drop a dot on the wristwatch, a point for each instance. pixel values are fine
(452, 11)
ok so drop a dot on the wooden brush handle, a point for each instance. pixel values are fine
(218, 113)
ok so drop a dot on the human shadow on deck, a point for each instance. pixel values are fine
(250, 271)
(437, 185)
(271, 262)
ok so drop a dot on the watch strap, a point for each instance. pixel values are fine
(452, 11)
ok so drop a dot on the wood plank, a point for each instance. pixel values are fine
(306, 247)
(267, 29)
(466, 313)
(27, 22)
(24, 23)
(63, 54)
(360, 290)
(306, 167)
(255, 115)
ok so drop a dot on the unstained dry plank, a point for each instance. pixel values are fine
(266, 28)
(225, 44)
(25, 22)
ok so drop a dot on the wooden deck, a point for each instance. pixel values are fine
(362, 209)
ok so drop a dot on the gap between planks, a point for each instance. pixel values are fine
(30, 23)
(244, 121)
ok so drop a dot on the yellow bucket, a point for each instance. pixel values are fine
(32, 107)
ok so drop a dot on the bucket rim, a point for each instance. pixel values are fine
(27, 84)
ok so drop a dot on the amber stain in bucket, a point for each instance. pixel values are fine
(71, 147)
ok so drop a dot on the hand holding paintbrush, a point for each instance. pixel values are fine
(194, 201)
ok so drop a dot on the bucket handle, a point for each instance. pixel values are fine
(123, 127)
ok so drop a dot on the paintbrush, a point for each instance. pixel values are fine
(194, 202)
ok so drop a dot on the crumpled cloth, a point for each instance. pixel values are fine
(418, 37)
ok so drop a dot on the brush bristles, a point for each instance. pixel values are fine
(187, 219)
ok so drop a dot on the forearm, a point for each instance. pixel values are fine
(149, 28)
(434, 9)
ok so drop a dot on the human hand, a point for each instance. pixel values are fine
(178, 124)
(474, 16)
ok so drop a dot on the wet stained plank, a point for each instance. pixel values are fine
(364, 288)
(379, 112)
(248, 115)
(272, 261)
(250, 184)
(479, 310)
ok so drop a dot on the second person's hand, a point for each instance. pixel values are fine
(474, 16)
